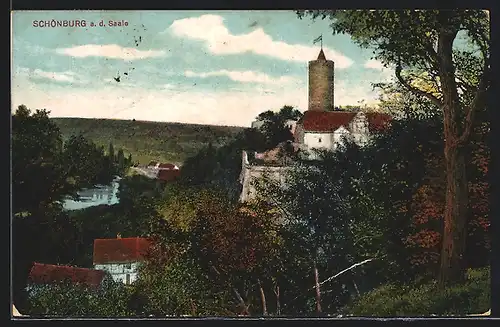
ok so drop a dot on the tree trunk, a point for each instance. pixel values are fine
(243, 305)
(452, 267)
(263, 299)
(193, 308)
(456, 204)
(318, 293)
(278, 304)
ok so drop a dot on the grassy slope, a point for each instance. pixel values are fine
(167, 142)
(472, 297)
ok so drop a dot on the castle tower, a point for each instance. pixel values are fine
(321, 76)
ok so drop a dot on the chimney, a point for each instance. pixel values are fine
(118, 235)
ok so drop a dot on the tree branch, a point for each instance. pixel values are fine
(415, 90)
(478, 102)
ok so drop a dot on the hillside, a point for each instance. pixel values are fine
(146, 141)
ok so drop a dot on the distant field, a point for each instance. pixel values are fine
(146, 141)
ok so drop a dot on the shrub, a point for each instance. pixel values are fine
(424, 299)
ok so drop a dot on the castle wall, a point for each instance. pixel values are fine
(321, 85)
(250, 174)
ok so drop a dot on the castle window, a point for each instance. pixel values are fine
(319, 140)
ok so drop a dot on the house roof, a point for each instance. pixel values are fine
(325, 121)
(47, 274)
(120, 250)
(168, 175)
(377, 121)
(167, 166)
(329, 121)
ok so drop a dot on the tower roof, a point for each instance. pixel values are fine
(321, 55)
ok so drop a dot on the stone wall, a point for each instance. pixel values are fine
(250, 173)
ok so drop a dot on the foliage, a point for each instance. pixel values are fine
(39, 178)
(179, 288)
(274, 125)
(202, 235)
(148, 141)
(421, 299)
(112, 299)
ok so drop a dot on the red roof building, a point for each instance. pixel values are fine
(167, 166)
(168, 175)
(50, 274)
(377, 121)
(329, 121)
(120, 250)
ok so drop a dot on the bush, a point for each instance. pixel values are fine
(112, 299)
(425, 300)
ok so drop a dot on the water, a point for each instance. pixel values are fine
(100, 195)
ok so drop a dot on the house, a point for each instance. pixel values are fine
(120, 257)
(326, 129)
(44, 274)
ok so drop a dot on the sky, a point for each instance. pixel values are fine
(204, 67)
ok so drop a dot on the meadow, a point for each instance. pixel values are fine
(147, 141)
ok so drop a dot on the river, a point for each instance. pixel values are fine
(99, 195)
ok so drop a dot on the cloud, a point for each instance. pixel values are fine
(244, 76)
(62, 77)
(374, 64)
(386, 72)
(346, 94)
(112, 51)
(211, 30)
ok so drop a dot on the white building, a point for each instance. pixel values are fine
(327, 129)
(120, 257)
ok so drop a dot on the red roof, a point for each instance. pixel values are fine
(377, 121)
(329, 121)
(46, 274)
(120, 250)
(167, 166)
(168, 175)
(325, 121)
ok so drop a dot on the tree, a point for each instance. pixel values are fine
(274, 127)
(111, 152)
(39, 178)
(417, 41)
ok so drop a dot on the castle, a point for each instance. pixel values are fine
(321, 126)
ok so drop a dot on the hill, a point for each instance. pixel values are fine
(146, 141)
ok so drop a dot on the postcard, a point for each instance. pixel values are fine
(290, 163)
